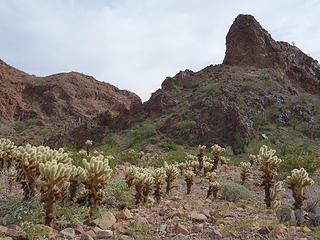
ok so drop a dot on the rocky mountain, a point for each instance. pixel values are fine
(263, 88)
(35, 108)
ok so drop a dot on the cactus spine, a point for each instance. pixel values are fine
(274, 195)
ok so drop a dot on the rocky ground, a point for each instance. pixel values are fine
(177, 216)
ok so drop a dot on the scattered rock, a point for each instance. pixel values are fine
(180, 229)
(180, 236)
(215, 234)
(198, 217)
(126, 214)
(141, 220)
(106, 220)
(96, 229)
(3, 229)
(105, 234)
(205, 212)
(90, 233)
(197, 228)
(280, 232)
(264, 230)
(68, 233)
(15, 231)
(306, 229)
(79, 229)
(86, 236)
(162, 228)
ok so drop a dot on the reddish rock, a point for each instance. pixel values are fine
(249, 44)
(179, 228)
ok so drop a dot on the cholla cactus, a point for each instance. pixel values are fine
(216, 151)
(7, 149)
(195, 166)
(88, 145)
(215, 187)
(129, 175)
(171, 175)
(158, 175)
(75, 175)
(296, 182)
(29, 158)
(224, 160)
(147, 185)
(207, 165)
(274, 195)
(210, 177)
(94, 177)
(200, 156)
(138, 184)
(269, 163)
(253, 159)
(188, 177)
(55, 175)
(245, 171)
(182, 167)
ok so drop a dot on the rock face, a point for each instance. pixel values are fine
(248, 44)
(69, 98)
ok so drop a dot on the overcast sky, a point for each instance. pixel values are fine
(135, 44)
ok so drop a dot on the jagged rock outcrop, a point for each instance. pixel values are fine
(249, 44)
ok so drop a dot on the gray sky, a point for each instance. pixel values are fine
(135, 44)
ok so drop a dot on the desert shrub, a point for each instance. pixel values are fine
(170, 145)
(192, 142)
(129, 156)
(234, 192)
(144, 131)
(213, 89)
(185, 125)
(240, 100)
(295, 157)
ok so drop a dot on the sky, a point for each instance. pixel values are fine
(136, 44)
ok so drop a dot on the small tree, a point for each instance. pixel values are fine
(216, 151)
(171, 175)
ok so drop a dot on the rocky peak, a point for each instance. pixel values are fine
(249, 44)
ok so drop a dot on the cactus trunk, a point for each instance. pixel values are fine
(215, 163)
(73, 189)
(189, 185)
(157, 192)
(209, 192)
(200, 159)
(138, 194)
(50, 199)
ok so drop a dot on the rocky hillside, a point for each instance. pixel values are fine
(35, 108)
(263, 87)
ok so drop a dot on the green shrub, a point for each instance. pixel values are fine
(192, 142)
(213, 89)
(144, 131)
(296, 157)
(234, 192)
(240, 100)
(170, 145)
(185, 125)
(129, 156)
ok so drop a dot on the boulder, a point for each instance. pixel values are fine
(106, 220)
